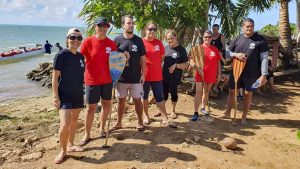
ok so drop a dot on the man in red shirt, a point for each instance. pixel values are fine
(96, 50)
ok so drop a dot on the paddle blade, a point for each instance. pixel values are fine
(238, 67)
(117, 62)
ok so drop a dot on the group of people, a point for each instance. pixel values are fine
(149, 65)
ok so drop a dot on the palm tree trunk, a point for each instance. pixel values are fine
(298, 28)
(285, 33)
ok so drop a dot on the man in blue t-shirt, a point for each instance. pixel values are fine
(253, 49)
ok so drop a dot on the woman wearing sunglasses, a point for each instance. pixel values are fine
(67, 85)
(155, 53)
(206, 76)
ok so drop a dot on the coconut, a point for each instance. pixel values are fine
(230, 143)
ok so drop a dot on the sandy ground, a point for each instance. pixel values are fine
(28, 136)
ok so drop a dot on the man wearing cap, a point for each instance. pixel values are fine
(133, 76)
(96, 50)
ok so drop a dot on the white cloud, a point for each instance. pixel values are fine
(41, 12)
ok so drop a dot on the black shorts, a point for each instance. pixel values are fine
(270, 75)
(243, 82)
(93, 93)
(71, 100)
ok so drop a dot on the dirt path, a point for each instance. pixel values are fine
(28, 137)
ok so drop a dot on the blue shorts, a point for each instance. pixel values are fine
(70, 100)
(157, 89)
(93, 93)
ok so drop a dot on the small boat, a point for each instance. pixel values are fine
(21, 52)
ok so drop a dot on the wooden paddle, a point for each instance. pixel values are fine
(197, 53)
(238, 67)
(117, 62)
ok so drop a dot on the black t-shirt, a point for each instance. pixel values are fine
(71, 67)
(252, 47)
(173, 55)
(136, 49)
(217, 43)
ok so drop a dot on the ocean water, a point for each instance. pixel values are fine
(13, 82)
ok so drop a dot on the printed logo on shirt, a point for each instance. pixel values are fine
(134, 48)
(174, 55)
(81, 63)
(252, 46)
(156, 48)
(213, 54)
(108, 49)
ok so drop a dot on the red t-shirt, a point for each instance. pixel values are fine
(154, 52)
(211, 60)
(96, 53)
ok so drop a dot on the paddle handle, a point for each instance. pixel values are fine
(110, 112)
(235, 100)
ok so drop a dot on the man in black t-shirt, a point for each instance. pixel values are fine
(133, 76)
(48, 47)
(252, 48)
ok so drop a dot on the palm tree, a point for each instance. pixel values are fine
(243, 8)
(285, 33)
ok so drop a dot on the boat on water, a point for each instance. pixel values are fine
(22, 52)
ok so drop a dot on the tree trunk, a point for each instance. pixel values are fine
(285, 33)
(298, 15)
(298, 28)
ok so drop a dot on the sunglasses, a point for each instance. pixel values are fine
(207, 37)
(79, 38)
(103, 25)
(152, 29)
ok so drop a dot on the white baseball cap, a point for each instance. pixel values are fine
(73, 31)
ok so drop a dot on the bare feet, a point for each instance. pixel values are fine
(60, 158)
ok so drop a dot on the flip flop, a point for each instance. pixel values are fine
(225, 117)
(75, 149)
(115, 128)
(174, 116)
(84, 142)
(147, 122)
(140, 128)
(102, 134)
(169, 124)
(60, 160)
(157, 114)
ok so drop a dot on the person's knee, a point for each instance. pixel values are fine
(91, 108)
(64, 127)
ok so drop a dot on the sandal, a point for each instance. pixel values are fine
(75, 149)
(157, 114)
(84, 142)
(140, 128)
(147, 122)
(59, 160)
(102, 134)
(174, 116)
(169, 124)
(115, 128)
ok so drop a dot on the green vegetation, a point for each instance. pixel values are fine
(298, 134)
(274, 29)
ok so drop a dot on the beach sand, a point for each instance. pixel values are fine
(28, 136)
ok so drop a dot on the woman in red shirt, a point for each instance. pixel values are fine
(207, 75)
(153, 77)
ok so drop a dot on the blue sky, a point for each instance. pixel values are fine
(65, 12)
